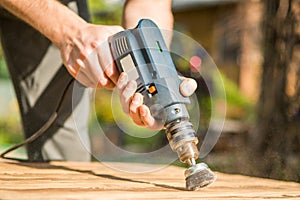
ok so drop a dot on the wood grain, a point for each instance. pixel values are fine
(75, 180)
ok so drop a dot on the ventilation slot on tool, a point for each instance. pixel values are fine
(121, 45)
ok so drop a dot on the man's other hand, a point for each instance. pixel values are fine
(132, 102)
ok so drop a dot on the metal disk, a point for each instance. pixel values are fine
(199, 176)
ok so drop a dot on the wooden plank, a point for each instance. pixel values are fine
(75, 180)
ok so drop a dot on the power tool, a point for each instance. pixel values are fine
(143, 54)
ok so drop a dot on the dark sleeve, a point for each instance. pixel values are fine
(83, 10)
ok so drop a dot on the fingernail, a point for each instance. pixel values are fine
(186, 89)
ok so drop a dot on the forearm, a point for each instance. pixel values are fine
(157, 10)
(50, 17)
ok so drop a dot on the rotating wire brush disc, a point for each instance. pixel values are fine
(199, 176)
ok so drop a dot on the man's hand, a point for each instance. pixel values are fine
(83, 46)
(132, 102)
(87, 56)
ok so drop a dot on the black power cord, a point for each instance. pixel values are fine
(39, 132)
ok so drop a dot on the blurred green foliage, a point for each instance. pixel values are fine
(3, 69)
(106, 14)
(10, 128)
(238, 106)
(10, 131)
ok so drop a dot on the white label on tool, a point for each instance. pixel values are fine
(129, 67)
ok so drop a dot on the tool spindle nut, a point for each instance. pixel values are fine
(187, 151)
